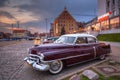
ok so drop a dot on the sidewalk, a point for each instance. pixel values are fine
(108, 67)
(115, 55)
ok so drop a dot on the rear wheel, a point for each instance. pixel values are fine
(56, 67)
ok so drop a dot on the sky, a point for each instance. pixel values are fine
(33, 15)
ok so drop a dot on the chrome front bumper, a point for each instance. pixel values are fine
(35, 65)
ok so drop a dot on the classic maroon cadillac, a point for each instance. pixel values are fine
(69, 49)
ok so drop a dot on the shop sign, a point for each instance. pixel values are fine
(104, 17)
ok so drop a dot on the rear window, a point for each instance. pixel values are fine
(91, 40)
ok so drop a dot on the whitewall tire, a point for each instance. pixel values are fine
(56, 67)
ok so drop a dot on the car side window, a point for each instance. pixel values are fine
(91, 40)
(80, 40)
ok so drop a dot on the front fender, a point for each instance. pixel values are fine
(59, 54)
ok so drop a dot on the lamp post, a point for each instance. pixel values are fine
(12, 28)
(18, 24)
(46, 22)
(46, 26)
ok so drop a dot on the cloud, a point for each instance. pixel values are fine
(3, 3)
(4, 13)
(81, 10)
(44, 8)
(13, 3)
(7, 20)
(6, 17)
(10, 28)
(17, 14)
(33, 12)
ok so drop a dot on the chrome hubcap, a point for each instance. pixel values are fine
(55, 66)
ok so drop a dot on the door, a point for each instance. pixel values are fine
(83, 51)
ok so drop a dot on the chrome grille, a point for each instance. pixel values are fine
(34, 58)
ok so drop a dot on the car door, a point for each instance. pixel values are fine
(93, 42)
(83, 51)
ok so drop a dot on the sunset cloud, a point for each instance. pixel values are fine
(18, 15)
(7, 20)
(32, 13)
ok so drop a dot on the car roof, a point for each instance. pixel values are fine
(80, 35)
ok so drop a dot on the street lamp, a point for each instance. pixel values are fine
(46, 21)
(46, 26)
(18, 24)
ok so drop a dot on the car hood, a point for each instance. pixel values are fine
(44, 48)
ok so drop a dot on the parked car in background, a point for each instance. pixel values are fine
(69, 49)
(30, 38)
(37, 41)
(49, 40)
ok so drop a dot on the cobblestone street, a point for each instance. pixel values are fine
(40, 40)
(11, 58)
(14, 68)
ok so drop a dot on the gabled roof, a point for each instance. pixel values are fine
(65, 12)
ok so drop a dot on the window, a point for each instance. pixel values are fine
(80, 40)
(108, 4)
(113, 1)
(118, 2)
(91, 40)
(119, 10)
(114, 12)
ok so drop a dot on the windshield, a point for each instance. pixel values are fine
(65, 39)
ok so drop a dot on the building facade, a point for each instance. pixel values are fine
(101, 7)
(113, 6)
(67, 21)
(51, 30)
(105, 6)
(108, 16)
(21, 33)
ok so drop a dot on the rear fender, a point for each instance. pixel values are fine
(106, 48)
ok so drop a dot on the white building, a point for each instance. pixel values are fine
(108, 17)
(101, 7)
(105, 6)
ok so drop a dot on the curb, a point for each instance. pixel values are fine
(80, 70)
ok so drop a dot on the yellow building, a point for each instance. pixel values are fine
(67, 21)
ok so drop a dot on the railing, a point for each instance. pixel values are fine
(96, 33)
(110, 31)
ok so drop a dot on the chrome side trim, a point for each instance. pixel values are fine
(33, 58)
(60, 58)
(94, 52)
(68, 57)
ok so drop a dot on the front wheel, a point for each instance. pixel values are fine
(56, 67)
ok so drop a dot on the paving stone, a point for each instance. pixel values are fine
(90, 74)
(11, 58)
